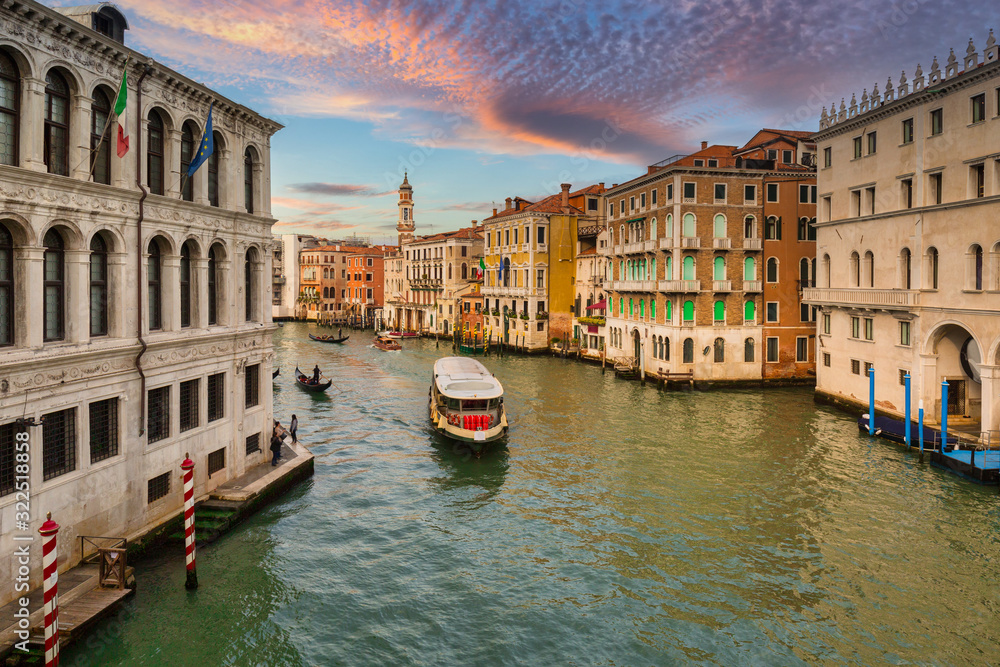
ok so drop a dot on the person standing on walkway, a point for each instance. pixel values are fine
(293, 428)
(275, 449)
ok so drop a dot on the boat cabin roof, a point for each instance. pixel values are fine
(461, 377)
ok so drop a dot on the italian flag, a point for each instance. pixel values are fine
(120, 111)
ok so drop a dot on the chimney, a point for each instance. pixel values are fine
(565, 195)
(508, 204)
(601, 184)
(494, 213)
(704, 145)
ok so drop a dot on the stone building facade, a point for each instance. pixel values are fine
(530, 251)
(136, 320)
(909, 246)
(693, 289)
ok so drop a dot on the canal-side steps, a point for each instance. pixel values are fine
(238, 498)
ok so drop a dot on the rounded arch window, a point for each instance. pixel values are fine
(6, 285)
(100, 137)
(56, 131)
(154, 153)
(10, 108)
(98, 286)
(54, 270)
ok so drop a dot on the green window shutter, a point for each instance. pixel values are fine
(631, 307)
(749, 269)
(689, 224)
(668, 311)
(642, 308)
(652, 308)
(688, 268)
(720, 311)
(669, 273)
(688, 311)
(749, 311)
(720, 226)
(720, 269)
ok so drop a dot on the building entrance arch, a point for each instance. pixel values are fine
(952, 352)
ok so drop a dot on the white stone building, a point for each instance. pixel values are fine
(135, 320)
(909, 245)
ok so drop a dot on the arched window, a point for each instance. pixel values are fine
(668, 270)
(719, 312)
(668, 231)
(153, 272)
(720, 226)
(6, 283)
(749, 311)
(652, 228)
(772, 228)
(719, 269)
(621, 306)
(689, 226)
(652, 270)
(55, 286)
(720, 350)
(506, 272)
(904, 268)
(465, 273)
(250, 285)
(749, 227)
(326, 292)
(748, 350)
(186, 284)
(213, 297)
(449, 272)
(666, 349)
(631, 308)
(652, 309)
(100, 137)
(642, 309)
(688, 268)
(869, 270)
(56, 124)
(10, 109)
(855, 269)
(826, 270)
(688, 357)
(154, 153)
(772, 270)
(668, 314)
(688, 314)
(804, 273)
(213, 169)
(98, 286)
(976, 258)
(803, 229)
(749, 269)
(248, 192)
(188, 147)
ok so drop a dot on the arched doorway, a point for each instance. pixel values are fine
(954, 354)
(636, 345)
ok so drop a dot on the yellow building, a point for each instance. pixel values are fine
(529, 253)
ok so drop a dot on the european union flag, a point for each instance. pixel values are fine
(206, 147)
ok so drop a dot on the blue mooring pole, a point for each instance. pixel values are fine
(871, 400)
(944, 414)
(906, 381)
(920, 428)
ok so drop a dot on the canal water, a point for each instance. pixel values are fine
(619, 526)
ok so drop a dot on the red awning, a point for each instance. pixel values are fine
(600, 305)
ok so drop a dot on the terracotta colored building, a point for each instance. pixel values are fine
(703, 262)
(366, 284)
(470, 307)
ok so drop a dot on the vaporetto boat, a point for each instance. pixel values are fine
(466, 402)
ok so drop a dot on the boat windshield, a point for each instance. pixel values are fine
(477, 404)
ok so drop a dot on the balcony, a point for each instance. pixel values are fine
(632, 248)
(859, 297)
(679, 285)
(633, 285)
(722, 244)
(618, 249)
(752, 244)
(752, 286)
(649, 246)
(690, 242)
(278, 280)
(666, 244)
(722, 285)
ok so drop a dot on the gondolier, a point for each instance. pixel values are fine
(316, 375)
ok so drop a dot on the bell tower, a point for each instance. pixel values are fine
(405, 224)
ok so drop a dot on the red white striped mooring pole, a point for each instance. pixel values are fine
(50, 589)
(187, 465)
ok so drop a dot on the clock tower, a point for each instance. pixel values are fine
(405, 224)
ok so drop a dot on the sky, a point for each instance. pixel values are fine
(481, 100)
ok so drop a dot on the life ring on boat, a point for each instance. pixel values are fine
(491, 420)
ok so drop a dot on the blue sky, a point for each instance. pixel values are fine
(486, 99)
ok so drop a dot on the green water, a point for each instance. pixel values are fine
(620, 526)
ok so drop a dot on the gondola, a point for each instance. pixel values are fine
(275, 373)
(301, 379)
(328, 339)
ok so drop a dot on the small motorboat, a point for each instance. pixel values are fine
(466, 402)
(328, 339)
(390, 334)
(387, 344)
(306, 382)
(275, 373)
